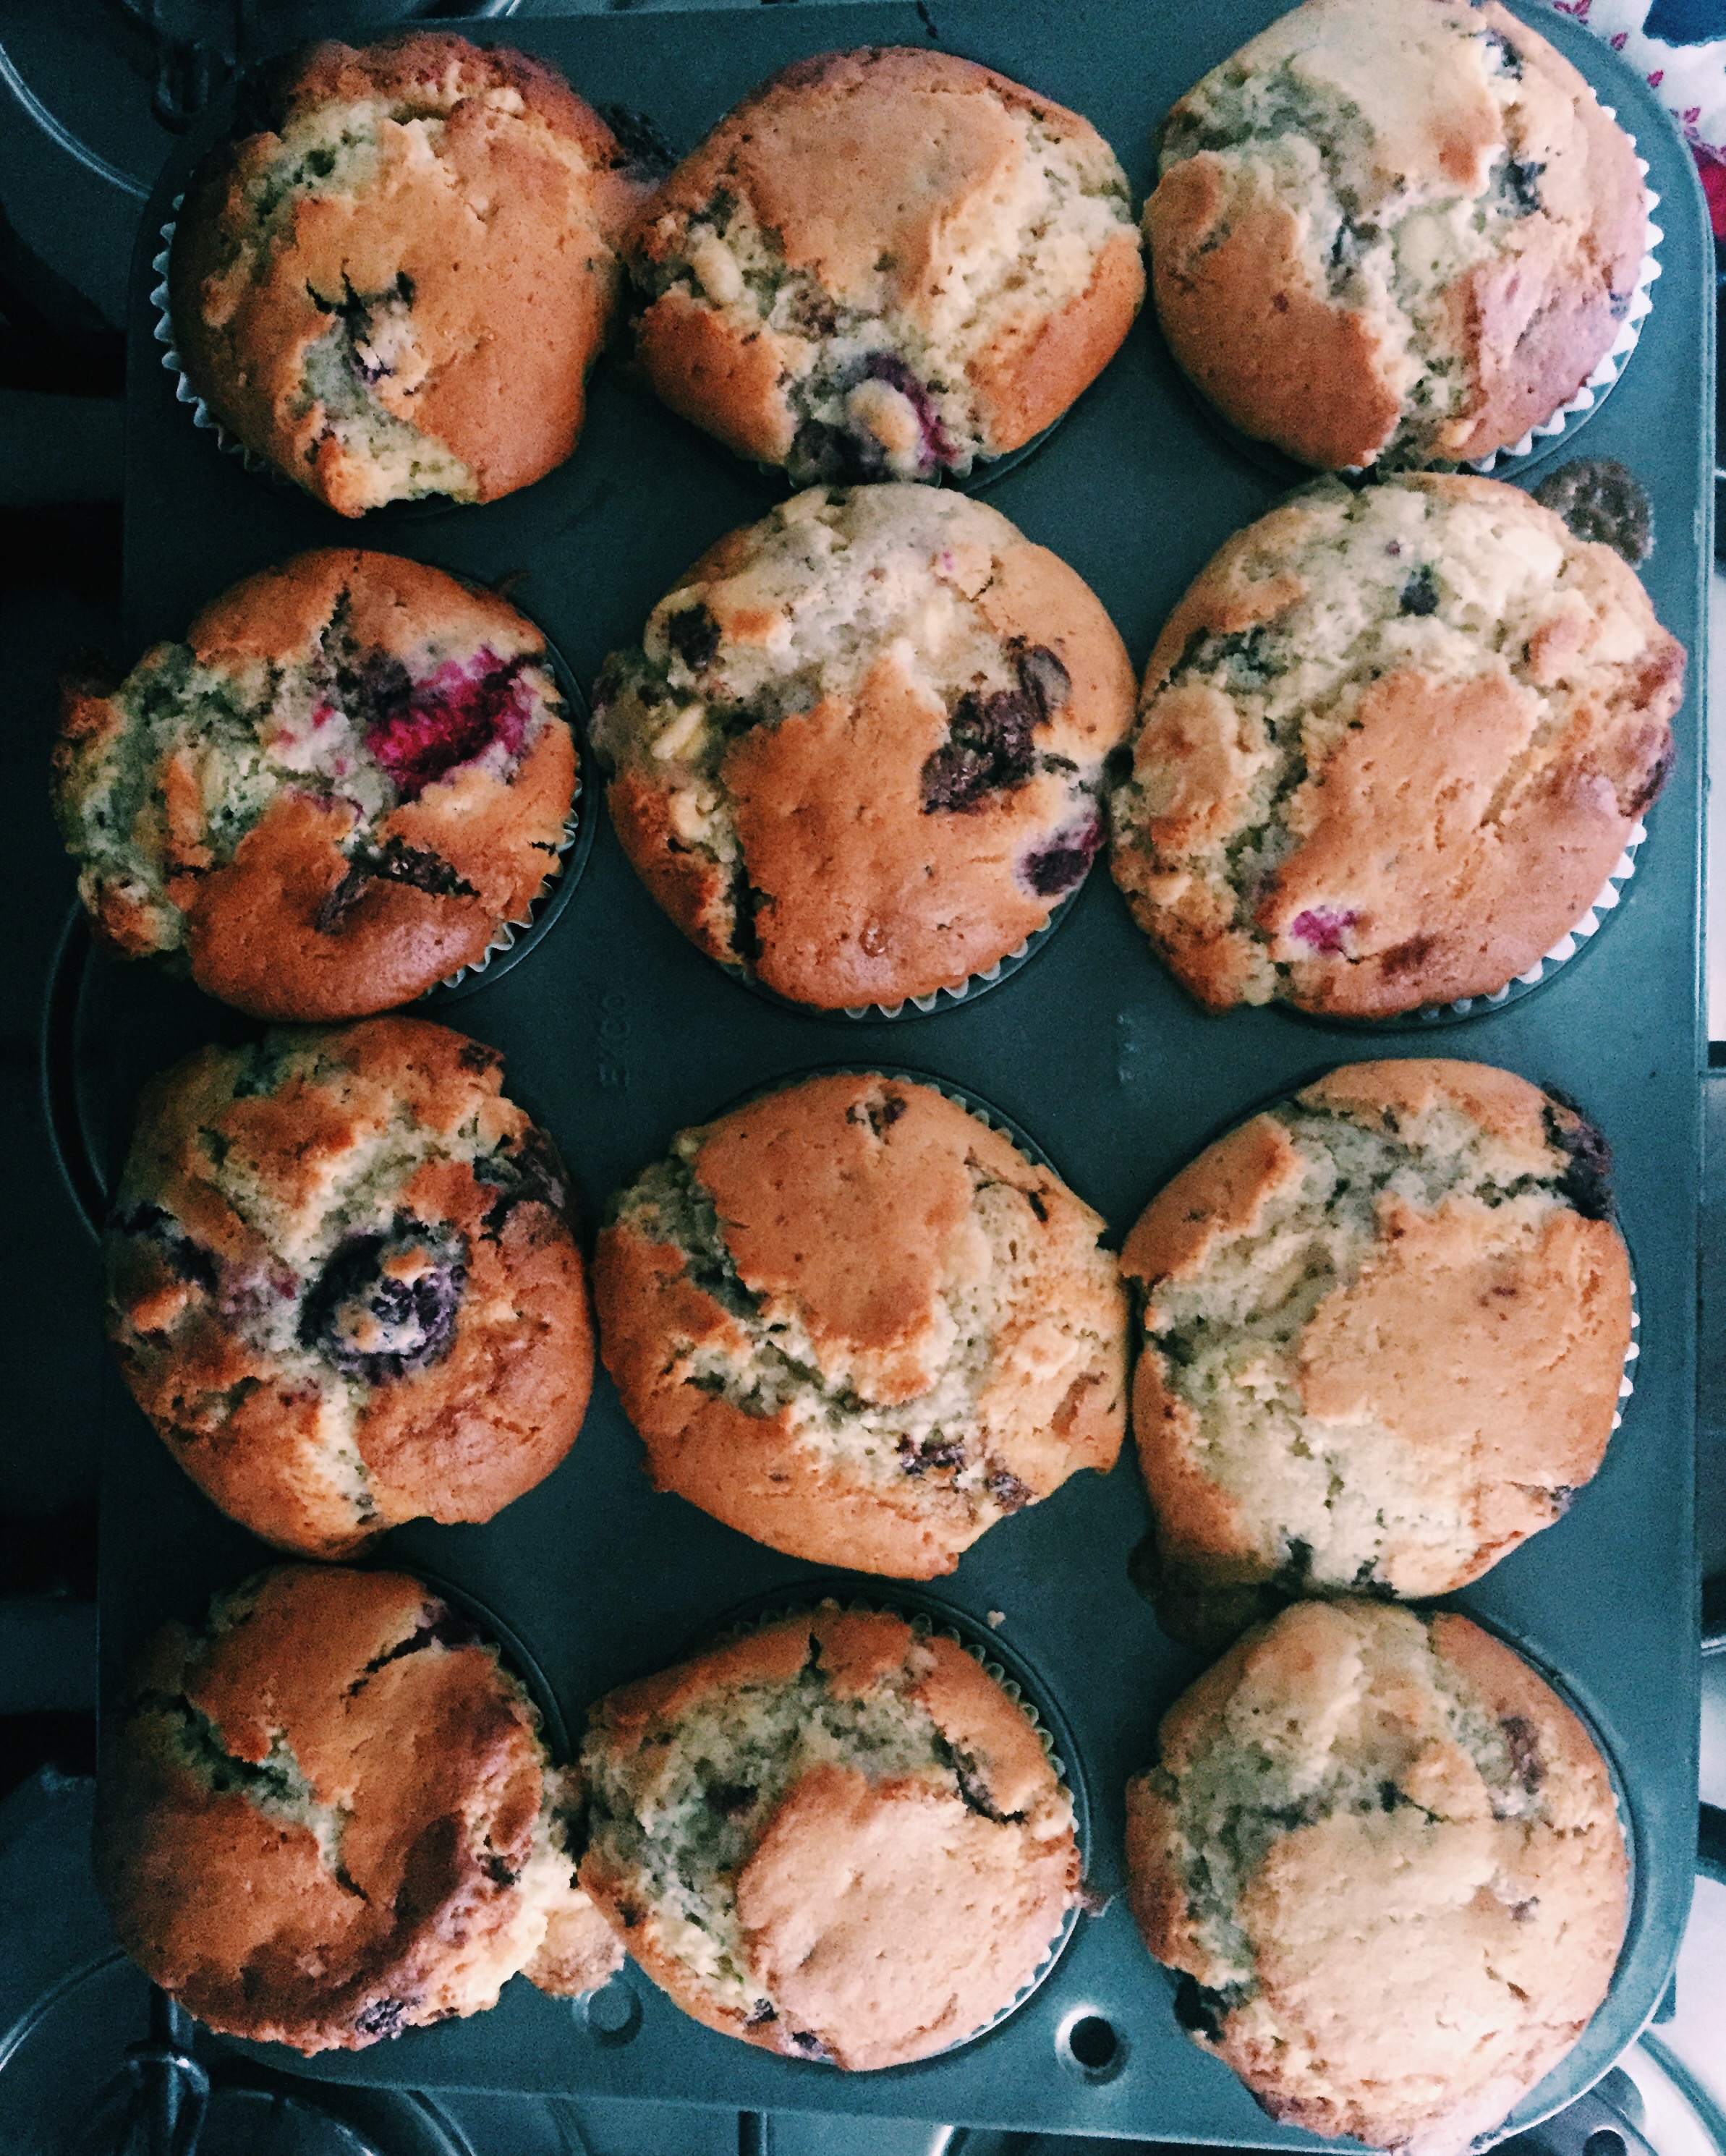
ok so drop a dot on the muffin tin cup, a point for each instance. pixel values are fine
(928, 1614)
(1545, 967)
(230, 444)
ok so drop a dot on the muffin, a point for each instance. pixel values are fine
(852, 1321)
(1390, 746)
(858, 755)
(838, 1838)
(327, 1816)
(887, 264)
(1384, 1329)
(341, 1283)
(335, 793)
(1388, 1861)
(1393, 229)
(393, 278)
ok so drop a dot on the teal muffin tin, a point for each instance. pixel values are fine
(617, 1032)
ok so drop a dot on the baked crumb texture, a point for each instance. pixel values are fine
(838, 1838)
(1387, 1860)
(1390, 746)
(327, 1816)
(853, 1321)
(331, 795)
(886, 263)
(1392, 230)
(1385, 1332)
(393, 281)
(859, 754)
(341, 1284)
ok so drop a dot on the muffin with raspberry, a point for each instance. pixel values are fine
(858, 755)
(341, 1283)
(392, 282)
(887, 263)
(335, 793)
(326, 1816)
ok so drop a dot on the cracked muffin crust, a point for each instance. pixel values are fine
(1384, 1326)
(393, 282)
(341, 1284)
(328, 1816)
(1390, 745)
(1387, 1858)
(1397, 229)
(886, 263)
(330, 796)
(852, 1321)
(859, 752)
(837, 1838)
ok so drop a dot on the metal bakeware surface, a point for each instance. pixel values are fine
(617, 1032)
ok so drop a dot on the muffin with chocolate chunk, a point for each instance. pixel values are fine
(1397, 230)
(1392, 743)
(342, 1285)
(392, 281)
(337, 792)
(1385, 1330)
(852, 1321)
(838, 1838)
(888, 264)
(858, 755)
(326, 1816)
(1386, 1859)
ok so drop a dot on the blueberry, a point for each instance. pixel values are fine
(386, 1302)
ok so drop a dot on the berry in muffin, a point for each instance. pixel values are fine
(393, 281)
(1384, 1327)
(887, 264)
(1390, 745)
(332, 795)
(327, 1815)
(837, 1838)
(1395, 230)
(850, 1319)
(858, 753)
(1386, 1859)
(341, 1284)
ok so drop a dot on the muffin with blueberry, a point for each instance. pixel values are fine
(858, 755)
(1385, 1330)
(838, 1838)
(341, 1283)
(1397, 230)
(887, 263)
(853, 1321)
(392, 281)
(337, 792)
(326, 1815)
(1385, 1858)
(1391, 745)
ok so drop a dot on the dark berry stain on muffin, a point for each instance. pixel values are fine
(987, 750)
(386, 1303)
(529, 1174)
(384, 2017)
(439, 1626)
(917, 1460)
(1587, 1181)
(1599, 500)
(1322, 928)
(1420, 594)
(1523, 1739)
(1521, 185)
(393, 861)
(448, 719)
(733, 1799)
(694, 635)
(880, 1115)
(1058, 867)
(1008, 1492)
(185, 1260)
(935, 450)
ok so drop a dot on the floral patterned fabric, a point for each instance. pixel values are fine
(1680, 46)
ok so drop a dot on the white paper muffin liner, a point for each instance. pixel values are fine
(1548, 962)
(559, 883)
(1538, 441)
(945, 1625)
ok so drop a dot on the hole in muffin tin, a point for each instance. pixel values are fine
(612, 2014)
(928, 1613)
(1090, 2046)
